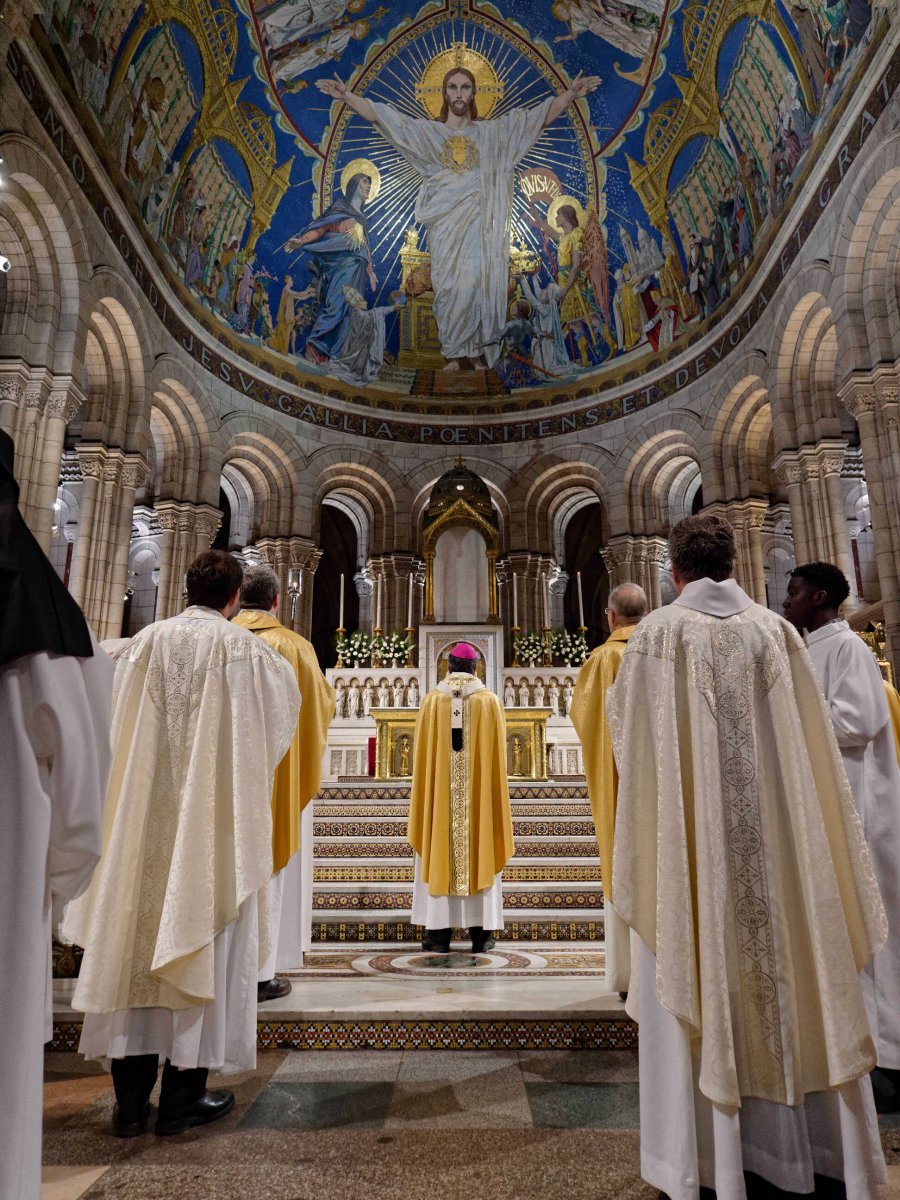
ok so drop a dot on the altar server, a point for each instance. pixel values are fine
(858, 707)
(626, 606)
(175, 923)
(55, 687)
(460, 824)
(740, 862)
(297, 780)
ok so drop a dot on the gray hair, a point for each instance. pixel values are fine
(628, 602)
(260, 587)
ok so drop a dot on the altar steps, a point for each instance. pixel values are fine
(364, 865)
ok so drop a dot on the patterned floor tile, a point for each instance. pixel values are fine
(579, 1066)
(353, 1066)
(584, 1105)
(419, 1066)
(304, 1105)
(490, 1100)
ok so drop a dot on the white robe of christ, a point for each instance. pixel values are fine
(465, 202)
(857, 705)
(54, 714)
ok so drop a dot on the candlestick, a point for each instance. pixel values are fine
(341, 634)
(409, 605)
(378, 606)
(580, 601)
(515, 631)
(341, 606)
(295, 588)
(376, 646)
(515, 601)
(409, 644)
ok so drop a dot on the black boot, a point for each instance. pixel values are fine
(133, 1079)
(184, 1101)
(886, 1089)
(273, 989)
(481, 942)
(437, 941)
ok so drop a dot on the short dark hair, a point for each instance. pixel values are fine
(259, 587)
(469, 665)
(213, 578)
(825, 577)
(703, 547)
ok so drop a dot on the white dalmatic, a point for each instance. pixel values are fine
(54, 713)
(290, 906)
(857, 705)
(465, 203)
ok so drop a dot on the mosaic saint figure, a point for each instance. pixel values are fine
(630, 27)
(465, 200)
(286, 21)
(295, 59)
(338, 246)
(460, 823)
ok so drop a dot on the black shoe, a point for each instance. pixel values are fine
(273, 989)
(623, 996)
(209, 1107)
(436, 941)
(483, 945)
(130, 1123)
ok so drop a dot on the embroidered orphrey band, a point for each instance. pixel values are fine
(459, 813)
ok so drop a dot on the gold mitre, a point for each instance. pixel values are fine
(362, 166)
(488, 86)
(561, 202)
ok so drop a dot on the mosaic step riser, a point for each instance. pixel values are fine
(390, 829)
(364, 790)
(400, 848)
(331, 933)
(497, 1034)
(360, 901)
(374, 812)
(388, 875)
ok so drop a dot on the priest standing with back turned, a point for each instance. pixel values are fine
(460, 824)
(297, 780)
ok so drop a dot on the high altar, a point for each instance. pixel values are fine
(460, 602)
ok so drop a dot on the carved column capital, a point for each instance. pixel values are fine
(786, 468)
(135, 471)
(859, 399)
(207, 521)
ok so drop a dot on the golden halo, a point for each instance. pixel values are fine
(489, 88)
(560, 202)
(362, 166)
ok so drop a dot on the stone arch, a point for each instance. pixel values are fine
(661, 481)
(737, 464)
(805, 401)
(274, 464)
(369, 491)
(48, 250)
(866, 295)
(551, 489)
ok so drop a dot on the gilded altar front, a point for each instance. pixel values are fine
(526, 743)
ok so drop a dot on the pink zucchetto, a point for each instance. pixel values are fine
(463, 650)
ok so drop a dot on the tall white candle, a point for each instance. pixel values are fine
(515, 583)
(341, 606)
(580, 601)
(546, 601)
(378, 605)
(409, 605)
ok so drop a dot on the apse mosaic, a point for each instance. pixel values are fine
(458, 198)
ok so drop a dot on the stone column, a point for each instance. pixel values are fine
(304, 556)
(59, 410)
(862, 397)
(12, 393)
(656, 559)
(90, 460)
(365, 589)
(789, 474)
(207, 521)
(830, 455)
(131, 475)
(177, 519)
(756, 512)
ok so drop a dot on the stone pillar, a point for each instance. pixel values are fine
(618, 555)
(207, 521)
(304, 557)
(559, 585)
(365, 589)
(12, 393)
(872, 401)
(62, 405)
(656, 559)
(789, 474)
(177, 519)
(528, 567)
(756, 513)
(830, 455)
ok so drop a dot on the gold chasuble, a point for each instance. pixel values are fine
(300, 772)
(588, 715)
(460, 823)
(893, 699)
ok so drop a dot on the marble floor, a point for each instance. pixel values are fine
(383, 1125)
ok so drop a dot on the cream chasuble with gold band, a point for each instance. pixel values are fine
(460, 823)
(203, 712)
(739, 858)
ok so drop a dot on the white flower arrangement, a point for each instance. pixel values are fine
(392, 647)
(530, 648)
(355, 650)
(571, 648)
